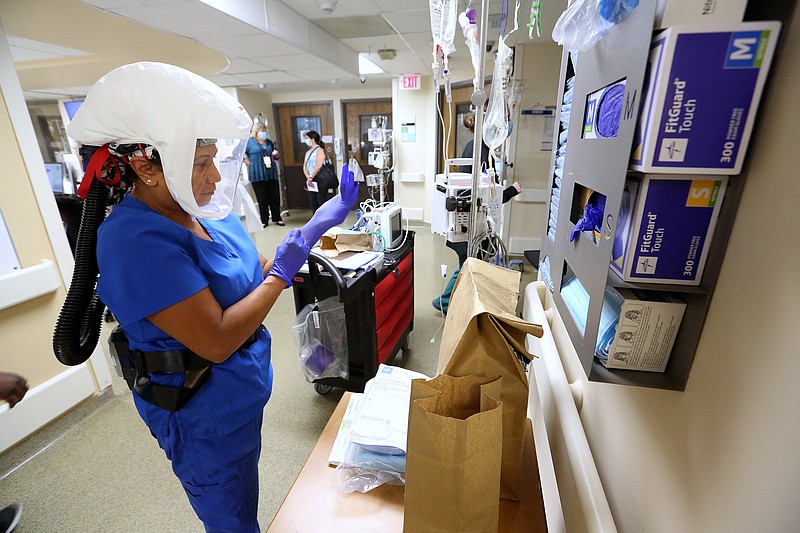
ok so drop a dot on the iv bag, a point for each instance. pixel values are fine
(449, 17)
(436, 21)
(495, 125)
(471, 35)
(443, 24)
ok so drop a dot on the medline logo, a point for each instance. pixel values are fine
(746, 49)
(646, 265)
(673, 150)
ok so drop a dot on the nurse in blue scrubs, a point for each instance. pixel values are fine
(180, 272)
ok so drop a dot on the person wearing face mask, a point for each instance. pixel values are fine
(312, 163)
(261, 160)
(182, 276)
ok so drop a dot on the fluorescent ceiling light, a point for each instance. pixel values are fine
(365, 66)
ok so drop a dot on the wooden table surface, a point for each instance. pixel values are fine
(313, 506)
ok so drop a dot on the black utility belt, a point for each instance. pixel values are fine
(135, 366)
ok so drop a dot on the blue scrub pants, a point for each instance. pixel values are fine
(219, 474)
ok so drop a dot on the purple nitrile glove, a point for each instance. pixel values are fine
(334, 211)
(290, 256)
(591, 221)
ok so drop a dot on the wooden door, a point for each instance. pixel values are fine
(357, 116)
(294, 120)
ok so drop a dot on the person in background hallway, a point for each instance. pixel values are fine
(469, 123)
(312, 162)
(13, 388)
(261, 159)
(442, 302)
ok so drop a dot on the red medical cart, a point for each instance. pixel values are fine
(378, 306)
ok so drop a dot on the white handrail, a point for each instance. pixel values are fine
(593, 502)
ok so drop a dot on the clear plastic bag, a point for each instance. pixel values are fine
(320, 333)
(495, 125)
(585, 22)
(355, 168)
(364, 469)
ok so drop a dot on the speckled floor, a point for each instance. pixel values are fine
(97, 469)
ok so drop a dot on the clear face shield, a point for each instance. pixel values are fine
(215, 172)
(202, 177)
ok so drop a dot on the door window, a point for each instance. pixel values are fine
(301, 126)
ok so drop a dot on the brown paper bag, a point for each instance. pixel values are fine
(483, 337)
(336, 241)
(453, 455)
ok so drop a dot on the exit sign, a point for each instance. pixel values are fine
(410, 83)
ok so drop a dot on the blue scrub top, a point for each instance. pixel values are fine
(148, 263)
(256, 152)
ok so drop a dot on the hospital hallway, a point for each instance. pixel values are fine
(97, 469)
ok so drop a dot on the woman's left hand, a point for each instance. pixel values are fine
(334, 211)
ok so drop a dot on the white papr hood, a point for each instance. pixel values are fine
(168, 108)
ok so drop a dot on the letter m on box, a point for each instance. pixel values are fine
(746, 49)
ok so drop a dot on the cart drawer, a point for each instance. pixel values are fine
(396, 313)
(386, 351)
(385, 286)
(394, 300)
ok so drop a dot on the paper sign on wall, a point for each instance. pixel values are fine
(408, 128)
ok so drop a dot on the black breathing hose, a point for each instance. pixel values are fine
(78, 326)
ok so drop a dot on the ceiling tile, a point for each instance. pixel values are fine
(275, 76)
(394, 5)
(364, 44)
(345, 8)
(292, 62)
(251, 12)
(251, 45)
(111, 4)
(423, 41)
(346, 27)
(228, 80)
(193, 19)
(239, 66)
(322, 74)
(410, 21)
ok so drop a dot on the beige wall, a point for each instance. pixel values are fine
(257, 102)
(419, 156)
(539, 68)
(26, 330)
(723, 454)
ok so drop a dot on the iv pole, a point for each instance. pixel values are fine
(478, 99)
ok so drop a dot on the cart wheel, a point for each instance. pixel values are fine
(322, 389)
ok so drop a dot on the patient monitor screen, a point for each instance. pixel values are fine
(397, 228)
